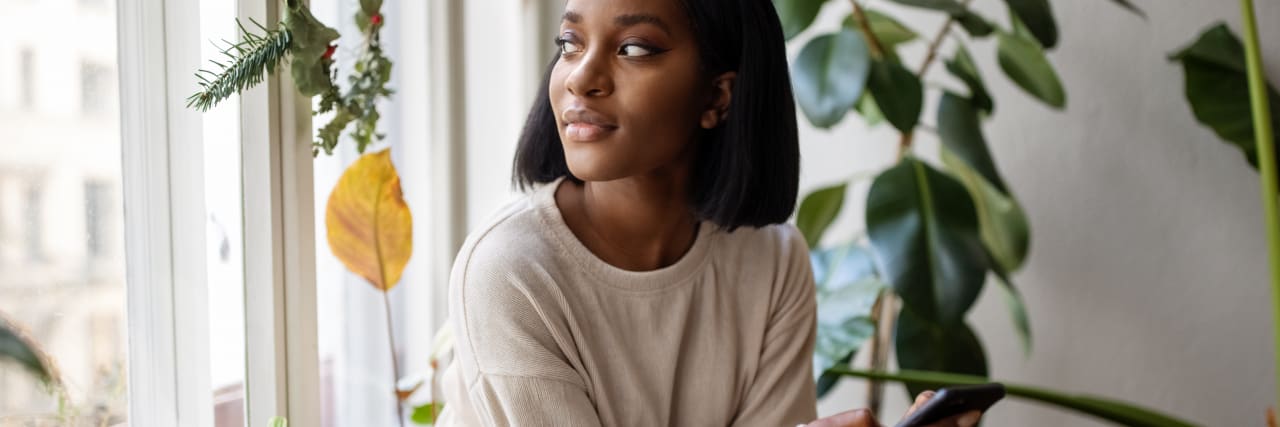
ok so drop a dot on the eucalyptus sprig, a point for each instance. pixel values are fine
(368, 83)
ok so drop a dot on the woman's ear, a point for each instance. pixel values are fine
(721, 94)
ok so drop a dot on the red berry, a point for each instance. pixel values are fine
(328, 52)
(376, 19)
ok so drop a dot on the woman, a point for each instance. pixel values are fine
(648, 279)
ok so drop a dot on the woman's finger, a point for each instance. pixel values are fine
(921, 399)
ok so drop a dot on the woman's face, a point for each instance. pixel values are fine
(627, 91)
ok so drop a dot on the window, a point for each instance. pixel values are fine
(97, 213)
(27, 79)
(63, 279)
(94, 82)
(33, 223)
(208, 324)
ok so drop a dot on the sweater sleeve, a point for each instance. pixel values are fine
(783, 393)
(510, 355)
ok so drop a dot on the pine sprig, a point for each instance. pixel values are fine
(249, 61)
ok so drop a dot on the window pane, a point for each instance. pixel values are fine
(224, 256)
(61, 218)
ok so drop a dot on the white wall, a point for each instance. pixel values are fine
(1147, 277)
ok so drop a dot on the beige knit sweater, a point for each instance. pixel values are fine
(548, 334)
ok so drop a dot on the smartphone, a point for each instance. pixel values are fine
(950, 401)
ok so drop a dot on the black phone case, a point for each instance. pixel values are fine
(951, 401)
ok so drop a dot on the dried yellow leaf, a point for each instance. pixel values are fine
(370, 227)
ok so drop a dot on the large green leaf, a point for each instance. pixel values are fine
(1122, 413)
(868, 110)
(948, 6)
(1018, 311)
(1003, 224)
(829, 75)
(962, 66)
(1025, 63)
(922, 226)
(796, 15)
(961, 132)
(898, 93)
(927, 346)
(1218, 91)
(1005, 233)
(847, 288)
(888, 30)
(17, 348)
(1037, 15)
(818, 210)
(973, 23)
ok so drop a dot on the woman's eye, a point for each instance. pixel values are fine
(566, 46)
(635, 50)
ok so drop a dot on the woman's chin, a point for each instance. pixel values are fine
(595, 170)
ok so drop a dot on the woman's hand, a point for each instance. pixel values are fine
(863, 418)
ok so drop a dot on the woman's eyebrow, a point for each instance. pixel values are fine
(635, 19)
(623, 20)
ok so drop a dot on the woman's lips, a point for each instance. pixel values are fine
(587, 132)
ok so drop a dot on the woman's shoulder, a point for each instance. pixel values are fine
(513, 236)
(779, 241)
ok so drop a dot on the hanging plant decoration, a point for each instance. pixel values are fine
(370, 228)
(309, 46)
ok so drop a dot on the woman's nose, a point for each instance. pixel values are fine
(590, 76)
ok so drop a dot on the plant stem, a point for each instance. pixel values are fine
(904, 144)
(881, 313)
(1266, 161)
(877, 48)
(932, 53)
(395, 365)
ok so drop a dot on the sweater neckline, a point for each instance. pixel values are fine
(673, 275)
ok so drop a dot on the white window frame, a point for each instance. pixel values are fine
(163, 189)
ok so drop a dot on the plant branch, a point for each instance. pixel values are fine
(252, 58)
(879, 348)
(1266, 159)
(860, 17)
(937, 41)
(931, 54)
(395, 365)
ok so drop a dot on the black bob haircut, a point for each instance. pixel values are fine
(746, 170)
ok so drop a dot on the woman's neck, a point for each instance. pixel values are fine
(637, 223)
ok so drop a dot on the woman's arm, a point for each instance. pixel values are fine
(783, 391)
(514, 371)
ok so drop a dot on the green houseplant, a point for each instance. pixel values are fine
(1227, 91)
(1216, 66)
(932, 234)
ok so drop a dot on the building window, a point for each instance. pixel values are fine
(27, 79)
(32, 223)
(96, 215)
(93, 85)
